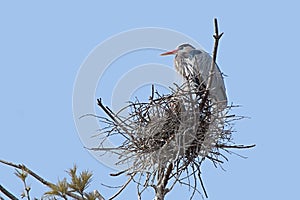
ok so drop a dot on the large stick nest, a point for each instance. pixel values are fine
(174, 127)
(170, 136)
(182, 128)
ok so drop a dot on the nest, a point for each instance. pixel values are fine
(177, 131)
(169, 137)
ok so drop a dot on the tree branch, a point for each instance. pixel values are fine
(7, 193)
(217, 37)
(37, 177)
(160, 188)
(122, 188)
(235, 146)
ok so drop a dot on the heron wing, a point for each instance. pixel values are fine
(201, 62)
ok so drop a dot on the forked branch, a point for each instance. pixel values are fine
(217, 37)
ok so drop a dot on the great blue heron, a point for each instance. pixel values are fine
(195, 64)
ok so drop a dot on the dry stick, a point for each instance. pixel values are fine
(235, 146)
(7, 193)
(105, 110)
(217, 37)
(202, 184)
(118, 121)
(37, 177)
(108, 112)
(122, 188)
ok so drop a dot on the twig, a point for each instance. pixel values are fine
(99, 101)
(235, 146)
(119, 173)
(113, 117)
(217, 37)
(24, 168)
(122, 188)
(37, 177)
(7, 193)
(202, 184)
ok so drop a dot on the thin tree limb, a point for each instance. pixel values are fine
(217, 37)
(235, 146)
(37, 177)
(122, 188)
(7, 193)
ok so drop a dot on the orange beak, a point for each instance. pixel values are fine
(169, 53)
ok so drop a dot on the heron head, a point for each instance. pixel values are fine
(181, 50)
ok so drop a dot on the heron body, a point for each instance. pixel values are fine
(195, 64)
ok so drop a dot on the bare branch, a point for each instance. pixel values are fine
(235, 146)
(37, 177)
(122, 188)
(7, 193)
(217, 37)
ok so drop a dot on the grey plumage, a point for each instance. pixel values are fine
(194, 63)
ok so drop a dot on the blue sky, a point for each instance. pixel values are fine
(43, 45)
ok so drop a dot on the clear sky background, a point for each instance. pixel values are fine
(43, 44)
